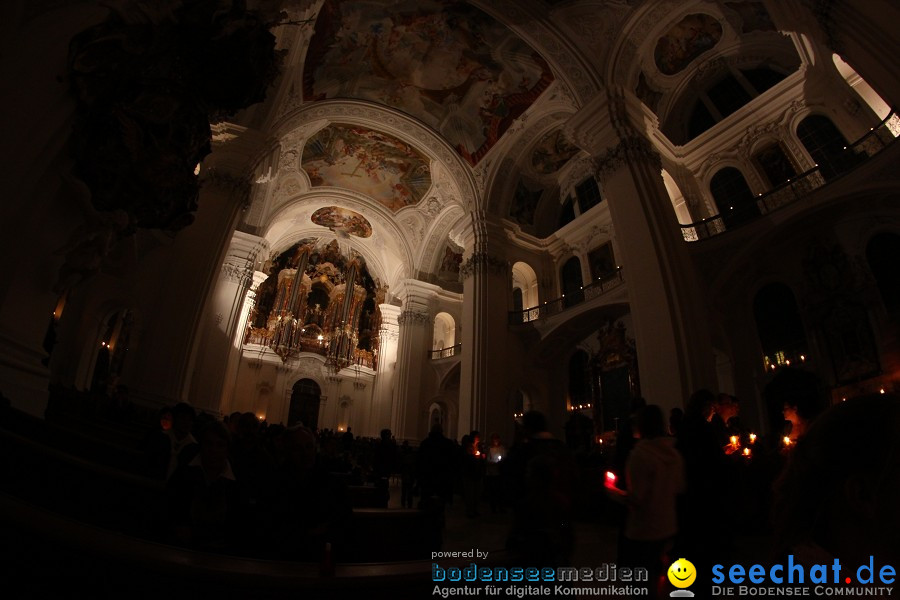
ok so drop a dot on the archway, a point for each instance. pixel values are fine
(827, 146)
(524, 279)
(444, 331)
(734, 200)
(305, 399)
(571, 282)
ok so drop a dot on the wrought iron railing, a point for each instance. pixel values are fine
(877, 139)
(603, 284)
(446, 352)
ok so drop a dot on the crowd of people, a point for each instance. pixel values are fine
(823, 482)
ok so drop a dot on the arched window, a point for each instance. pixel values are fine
(579, 380)
(883, 255)
(571, 282)
(775, 164)
(111, 350)
(444, 331)
(827, 146)
(869, 95)
(518, 300)
(524, 279)
(733, 197)
(305, 397)
(778, 324)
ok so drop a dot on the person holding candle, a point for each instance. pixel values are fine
(655, 477)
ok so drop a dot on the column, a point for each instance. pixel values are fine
(416, 325)
(221, 319)
(484, 391)
(862, 33)
(178, 285)
(673, 344)
(383, 394)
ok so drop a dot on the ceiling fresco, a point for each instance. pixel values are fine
(342, 219)
(376, 164)
(446, 63)
(552, 152)
(685, 41)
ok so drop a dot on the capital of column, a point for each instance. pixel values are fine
(483, 262)
(612, 128)
(242, 258)
(390, 315)
(414, 318)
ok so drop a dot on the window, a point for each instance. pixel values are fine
(733, 197)
(827, 146)
(775, 164)
(588, 193)
(567, 214)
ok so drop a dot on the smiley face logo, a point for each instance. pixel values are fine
(682, 573)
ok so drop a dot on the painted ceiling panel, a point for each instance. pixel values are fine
(446, 63)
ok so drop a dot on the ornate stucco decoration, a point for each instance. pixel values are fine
(630, 148)
(414, 317)
(243, 276)
(237, 187)
(484, 263)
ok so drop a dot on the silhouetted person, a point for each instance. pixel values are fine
(311, 506)
(436, 466)
(541, 475)
(203, 495)
(702, 510)
(839, 494)
(654, 479)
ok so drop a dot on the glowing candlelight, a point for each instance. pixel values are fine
(747, 452)
(734, 440)
(752, 438)
(787, 441)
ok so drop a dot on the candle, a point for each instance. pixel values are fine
(734, 440)
(752, 438)
(747, 452)
(787, 441)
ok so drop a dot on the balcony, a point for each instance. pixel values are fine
(448, 352)
(799, 187)
(604, 283)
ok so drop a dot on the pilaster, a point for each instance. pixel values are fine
(415, 324)
(226, 309)
(484, 390)
(673, 344)
(386, 375)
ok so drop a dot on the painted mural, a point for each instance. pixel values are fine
(373, 163)
(685, 41)
(446, 63)
(525, 201)
(342, 219)
(753, 16)
(552, 152)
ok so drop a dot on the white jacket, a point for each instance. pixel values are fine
(655, 476)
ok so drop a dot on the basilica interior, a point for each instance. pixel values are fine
(392, 214)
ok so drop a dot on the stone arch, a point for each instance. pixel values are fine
(525, 279)
(444, 335)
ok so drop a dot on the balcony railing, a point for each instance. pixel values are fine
(603, 284)
(794, 189)
(446, 352)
